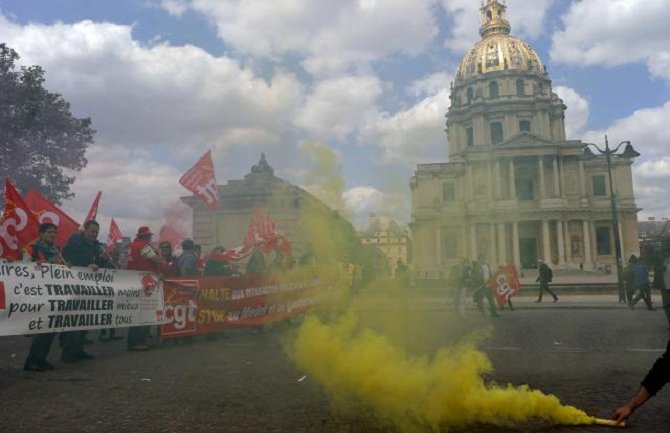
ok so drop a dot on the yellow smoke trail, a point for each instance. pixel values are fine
(361, 367)
(363, 370)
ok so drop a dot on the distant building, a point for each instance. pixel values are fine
(515, 190)
(385, 234)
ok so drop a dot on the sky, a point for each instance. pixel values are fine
(165, 80)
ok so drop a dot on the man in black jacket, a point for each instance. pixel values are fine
(82, 249)
(657, 377)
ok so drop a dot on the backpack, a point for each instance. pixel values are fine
(550, 274)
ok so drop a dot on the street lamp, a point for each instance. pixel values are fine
(628, 152)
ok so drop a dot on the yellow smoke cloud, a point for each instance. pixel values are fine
(364, 370)
(358, 367)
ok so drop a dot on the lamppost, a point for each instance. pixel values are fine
(629, 153)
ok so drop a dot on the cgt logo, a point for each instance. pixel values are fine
(149, 284)
(3, 302)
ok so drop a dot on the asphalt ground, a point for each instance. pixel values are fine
(591, 355)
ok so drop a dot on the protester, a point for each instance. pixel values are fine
(256, 263)
(641, 283)
(115, 261)
(199, 262)
(544, 278)
(42, 251)
(629, 279)
(401, 273)
(170, 266)
(143, 258)
(187, 263)
(480, 277)
(277, 265)
(657, 377)
(82, 249)
(216, 266)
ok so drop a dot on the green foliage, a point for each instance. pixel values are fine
(42, 145)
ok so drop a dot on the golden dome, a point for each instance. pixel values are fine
(498, 51)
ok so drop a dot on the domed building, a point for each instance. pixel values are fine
(514, 189)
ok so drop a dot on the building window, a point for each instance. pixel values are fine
(496, 132)
(471, 95)
(448, 192)
(524, 125)
(524, 189)
(603, 242)
(493, 89)
(469, 136)
(599, 188)
(520, 88)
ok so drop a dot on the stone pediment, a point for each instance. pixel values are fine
(526, 139)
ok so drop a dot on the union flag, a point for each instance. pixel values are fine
(200, 180)
(505, 284)
(93, 211)
(18, 226)
(47, 212)
(114, 235)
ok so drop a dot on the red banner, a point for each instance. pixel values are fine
(114, 235)
(204, 305)
(18, 226)
(93, 211)
(200, 180)
(47, 212)
(505, 284)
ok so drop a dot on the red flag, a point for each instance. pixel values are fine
(200, 180)
(505, 284)
(261, 229)
(47, 212)
(114, 235)
(18, 226)
(93, 211)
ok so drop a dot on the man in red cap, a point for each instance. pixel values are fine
(143, 258)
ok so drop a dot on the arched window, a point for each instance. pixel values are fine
(471, 95)
(489, 16)
(520, 88)
(493, 89)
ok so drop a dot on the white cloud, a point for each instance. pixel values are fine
(413, 135)
(615, 32)
(577, 114)
(330, 36)
(337, 106)
(166, 95)
(527, 18)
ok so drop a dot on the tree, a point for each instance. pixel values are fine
(42, 145)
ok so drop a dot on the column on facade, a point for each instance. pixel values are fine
(515, 245)
(502, 244)
(469, 180)
(512, 180)
(557, 187)
(473, 241)
(623, 254)
(438, 246)
(586, 241)
(498, 190)
(546, 250)
(490, 181)
(560, 242)
(568, 242)
(492, 244)
(540, 166)
(582, 180)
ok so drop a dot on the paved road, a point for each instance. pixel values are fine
(590, 358)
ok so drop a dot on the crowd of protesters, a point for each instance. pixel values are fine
(83, 249)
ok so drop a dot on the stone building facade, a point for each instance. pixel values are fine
(385, 234)
(514, 189)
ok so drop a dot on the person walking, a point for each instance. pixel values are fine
(143, 257)
(661, 266)
(480, 284)
(43, 250)
(82, 249)
(544, 278)
(641, 282)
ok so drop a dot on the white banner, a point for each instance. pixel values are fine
(53, 298)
